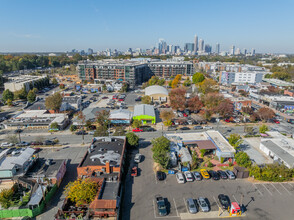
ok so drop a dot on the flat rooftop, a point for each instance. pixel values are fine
(110, 191)
(104, 149)
(220, 141)
(40, 169)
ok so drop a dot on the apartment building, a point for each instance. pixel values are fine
(228, 78)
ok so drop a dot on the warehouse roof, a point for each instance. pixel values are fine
(144, 109)
(151, 90)
(120, 114)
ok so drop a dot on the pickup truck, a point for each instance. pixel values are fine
(161, 206)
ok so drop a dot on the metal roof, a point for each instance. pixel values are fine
(37, 196)
(151, 90)
(144, 109)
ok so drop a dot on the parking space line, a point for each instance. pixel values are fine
(276, 189)
(185, 204)
(257, 189)
(290, 184)
(286, 189)
(216, 202)
(155, 178)
(235, 199)
(267, 189)
(176, 207)
(154, 208)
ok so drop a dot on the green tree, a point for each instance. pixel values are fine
(21, 94)
(207, 86)
(54, 81)
(82, 191)
(160, 151)
(198, 78)
(263, 128)
(132, 139)
(235, 140)
(53, 102)
(72, 128)
(101, 131)
(103, 118)
(119, 131)
(203, 152)
(6, 198)
(187, 83)
(136, 123)
(9, 102)
(7, 94)
(54, 125)
(31, 96)
(243, 159)
(146, 99)
(195, 160)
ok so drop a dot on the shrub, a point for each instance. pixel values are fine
(222, 160)
(209, 164)
(203, 151)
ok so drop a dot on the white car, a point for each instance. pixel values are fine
(138, 158)
(207, 127)
(189, 176)
(6, 144)
(180, 178)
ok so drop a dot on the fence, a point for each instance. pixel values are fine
(10, 213)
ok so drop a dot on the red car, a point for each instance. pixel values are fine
(121, 100)
(185, 115)
(227, 120)
(276, 121)
(137, 130)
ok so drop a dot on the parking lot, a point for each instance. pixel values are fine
(261, 200)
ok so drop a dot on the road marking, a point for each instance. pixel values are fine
(267, 189)
(290, 184)
(235, 199)
(154, 208)
(155, 178)
(176, 207)
(286, 189)
(276, 189)
(185, 204)
(257, 189)
(216, 202)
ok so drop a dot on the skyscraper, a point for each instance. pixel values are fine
(201, 46)
(195, 44)
(207, 48)
(90, 51)
(162, 46)
(253, 52)
(232, 52)
(217, 48)
(245, 51)
(189, 47)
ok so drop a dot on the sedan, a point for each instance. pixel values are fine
(230, 175)
(191, 206)
(180, 178)
(198, 127)
(184, 128)
(276, 121)
(189, 176)
(197, 176)
(214, 175)
(203, 204)
(222, 174)
(160, 175)
(204, 173)
(137, 130)
(224, 201)
(6, 144)
(22, 144)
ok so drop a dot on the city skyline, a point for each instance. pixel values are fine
(36, 26)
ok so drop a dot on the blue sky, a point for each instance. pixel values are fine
(61, 25)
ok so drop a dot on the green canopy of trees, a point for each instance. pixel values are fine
(160, 151)
(53, 102)
(132, 139)
(243, 159)
(7, 94)
(198, 78)
(263, 129)
(235, 140)
(31, 97)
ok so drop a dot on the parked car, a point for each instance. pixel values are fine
(160, 175)
(137, 130)
(180, 178)
(48, 142)
(16, 151)
(189, 176)
(36, 143)
(161, 205)
(22, 144)
(148, 129)
(203, 204)
(230, 174)
(81, 133)
(37, 149)
(91, 132)
(224, 201)
(204, 173)
(227, 120)
(104, 97)
(192, 208)
(198, 127)
(6, 144)
(222, 174)
(171, 128)
(184, 128)
(214, 175)
(197, 176)
(207, 127)
(276, 121)
(138, 99)
(138, 158)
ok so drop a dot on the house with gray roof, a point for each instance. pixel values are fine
(145, 114)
